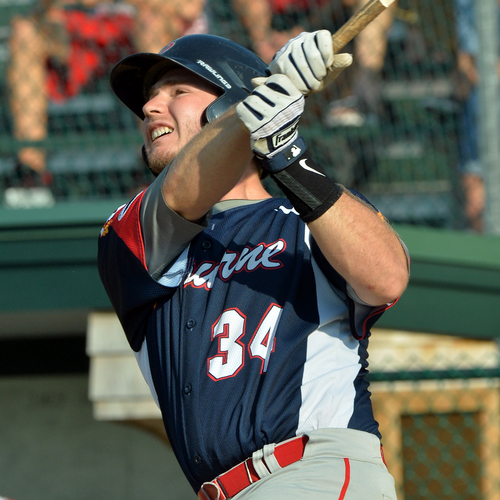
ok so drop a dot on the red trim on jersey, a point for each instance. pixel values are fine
(375, 313)
(127, 225)
(347, 478)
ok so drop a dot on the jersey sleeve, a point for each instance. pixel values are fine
(137, 243)
(122, 269)
(166, 234)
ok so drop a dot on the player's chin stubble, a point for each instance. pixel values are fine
(157, 161)
(159, 158)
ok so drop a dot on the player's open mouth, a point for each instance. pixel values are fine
(160, 132)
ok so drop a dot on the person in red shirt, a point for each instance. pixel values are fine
(59, 49)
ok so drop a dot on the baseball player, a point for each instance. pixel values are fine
(250, 315)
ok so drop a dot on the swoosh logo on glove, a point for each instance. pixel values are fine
(304, 165)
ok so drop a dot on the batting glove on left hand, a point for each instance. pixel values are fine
(309, 61)
(271, 114)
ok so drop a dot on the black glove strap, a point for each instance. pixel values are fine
(284, 158)
(311, 192)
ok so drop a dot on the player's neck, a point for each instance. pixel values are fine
(249, 187)
(246, 192)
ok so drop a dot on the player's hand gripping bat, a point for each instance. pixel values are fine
(288, 55)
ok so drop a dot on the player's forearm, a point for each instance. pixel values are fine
(207, 168)
(363, 249)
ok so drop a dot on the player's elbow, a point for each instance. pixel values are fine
(384, 289)
(394, 276)
(395, 285)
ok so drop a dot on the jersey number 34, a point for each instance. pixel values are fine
(229, 329)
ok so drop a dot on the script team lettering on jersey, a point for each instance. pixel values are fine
(250, 259)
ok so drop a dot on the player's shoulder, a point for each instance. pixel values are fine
(124, 213)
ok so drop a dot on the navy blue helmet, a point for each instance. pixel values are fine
(222, 62)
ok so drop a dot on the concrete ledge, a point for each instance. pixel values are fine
(117, 388)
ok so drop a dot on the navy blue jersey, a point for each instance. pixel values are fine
(247, 337)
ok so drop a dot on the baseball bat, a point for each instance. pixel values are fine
(358, 22)
(344, 35)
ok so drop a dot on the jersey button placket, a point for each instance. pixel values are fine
(190, 323)
(197, 459)
(187, 389)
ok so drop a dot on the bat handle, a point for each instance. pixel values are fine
(358, 22)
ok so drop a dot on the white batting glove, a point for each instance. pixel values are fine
(271, 114)
(309, 61)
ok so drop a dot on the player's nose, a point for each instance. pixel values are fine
(155, 105)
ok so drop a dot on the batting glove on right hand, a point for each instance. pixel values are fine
(309, 61)
(271, 114)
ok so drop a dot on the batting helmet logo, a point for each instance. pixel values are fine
(167, 47)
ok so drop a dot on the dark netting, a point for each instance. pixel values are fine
(390, 126)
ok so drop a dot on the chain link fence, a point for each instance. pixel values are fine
(391, 126)
(437, 401)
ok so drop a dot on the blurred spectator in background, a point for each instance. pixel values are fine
(56, 52)
(470, 168)
(270, 23)
(65, 45)
(161, 21)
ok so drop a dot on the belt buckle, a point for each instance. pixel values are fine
(211, 491)
(215, 490)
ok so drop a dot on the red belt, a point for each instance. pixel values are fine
(242, 475)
